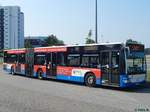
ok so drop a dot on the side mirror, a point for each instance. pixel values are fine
(127, 50)
(99, 66)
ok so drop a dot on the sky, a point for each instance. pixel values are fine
(71, 20)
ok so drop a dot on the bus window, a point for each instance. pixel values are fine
(22, 58)
(73, 60)
(61, 59)
(115, 62)
(90, 60)
(115, 59)
(40, 59)
(85, 61)
(94, 61)
(10, 58)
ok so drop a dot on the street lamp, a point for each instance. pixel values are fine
(96, 34)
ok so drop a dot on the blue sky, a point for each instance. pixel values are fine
(70, 20)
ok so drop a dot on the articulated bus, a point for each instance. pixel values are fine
(109, 64)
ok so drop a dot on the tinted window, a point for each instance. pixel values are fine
(90, 60)
(115, 62)
(21, 58)
(105, 58)
(40, 59)
(73, 60)
(10, 58)
(61, 59)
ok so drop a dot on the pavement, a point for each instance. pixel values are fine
(22, 94)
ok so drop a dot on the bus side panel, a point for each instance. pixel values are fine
(126, 81)
(123, 79)
(39, 67)
(22, 69)
(98, 73)
(76, 74)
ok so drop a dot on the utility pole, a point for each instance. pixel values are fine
(96, 34)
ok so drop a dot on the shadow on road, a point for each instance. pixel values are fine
(138, 89)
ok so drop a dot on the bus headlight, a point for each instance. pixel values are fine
(126, 81)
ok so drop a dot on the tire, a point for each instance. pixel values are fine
(12, 71)
(90, 80)
(39, 73)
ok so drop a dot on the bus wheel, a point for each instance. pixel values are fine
(12, 71)
(40, 75)
(90, 80)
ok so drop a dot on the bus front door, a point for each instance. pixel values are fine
(110, 67)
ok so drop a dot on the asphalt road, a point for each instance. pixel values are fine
(21, 94)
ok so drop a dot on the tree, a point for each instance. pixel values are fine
(27, 44)
(130, 41)
(88, 39)
(147, 51)
(52, 40)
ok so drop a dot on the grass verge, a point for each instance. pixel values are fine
(148, 75)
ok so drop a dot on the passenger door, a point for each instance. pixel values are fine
(51, 65)
(18, 65)
(48, 65)
(29, 61)
(115, 59)
(110, 67)
(105, 67)
(54, 64)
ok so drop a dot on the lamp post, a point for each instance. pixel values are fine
(96, 34)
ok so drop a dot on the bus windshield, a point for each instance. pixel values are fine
(136, 65)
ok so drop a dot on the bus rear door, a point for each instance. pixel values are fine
(29, 62)
(51, 65)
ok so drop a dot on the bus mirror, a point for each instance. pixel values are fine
(115, 66)
(99, 66)
(107, 66)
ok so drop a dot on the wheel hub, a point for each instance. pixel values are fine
(90, 80)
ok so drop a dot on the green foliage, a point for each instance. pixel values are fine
(52, 40)
(148, 75)
(1, 53)
(27, 44)
(90, 34)
(88, 39)
(130, 41)
(147, 51)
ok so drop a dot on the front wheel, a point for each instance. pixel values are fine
(40, 75)
(90, 80)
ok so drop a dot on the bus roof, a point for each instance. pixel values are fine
(81, 45)
(14, 49)
(57, 48)
(96, 44)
